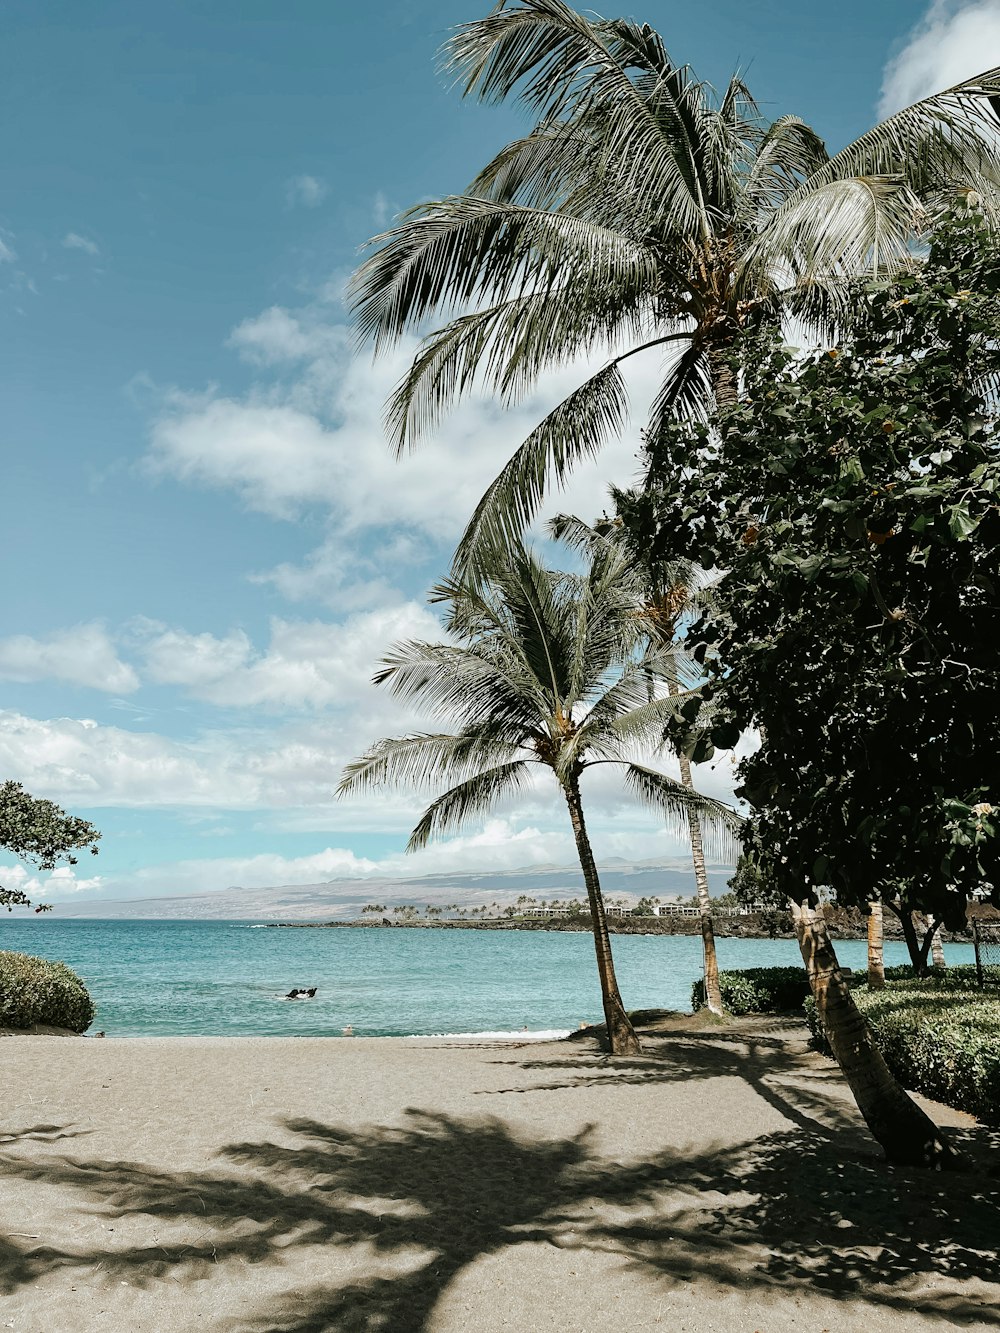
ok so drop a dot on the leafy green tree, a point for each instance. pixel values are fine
(541, 669)
(42, 834)
(852, 498)
(641, 211)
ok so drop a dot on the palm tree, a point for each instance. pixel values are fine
(670, 592)
(641, 211)
(544, 669)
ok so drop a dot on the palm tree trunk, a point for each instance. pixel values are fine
(721, 372)
(710, 961)
(906, 1134)
(621, 1034)
(937, 948)
(876, 965)
(713, 991)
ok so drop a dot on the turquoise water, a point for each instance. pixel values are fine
(226, 978)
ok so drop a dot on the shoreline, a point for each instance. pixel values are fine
(754, 926)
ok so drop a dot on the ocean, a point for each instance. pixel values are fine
(227, 978)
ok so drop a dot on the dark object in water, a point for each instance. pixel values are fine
(300, 993)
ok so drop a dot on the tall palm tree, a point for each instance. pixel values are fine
(544, 669)
(670, 592)
(641, 211)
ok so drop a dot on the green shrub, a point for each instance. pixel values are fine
(757, 990)
(938, 1034)
(33, 990)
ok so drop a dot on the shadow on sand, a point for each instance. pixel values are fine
(811, 1206)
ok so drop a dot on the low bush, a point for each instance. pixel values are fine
(757, 990)
(33, 990)
(938, 1034)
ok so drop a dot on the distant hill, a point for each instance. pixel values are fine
(343, 899)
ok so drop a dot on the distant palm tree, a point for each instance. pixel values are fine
(641, 211)
(544, 669)
(670, 592)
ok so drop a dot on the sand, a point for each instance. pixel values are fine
(723, 1182)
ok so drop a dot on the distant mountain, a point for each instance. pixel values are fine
(343, 899)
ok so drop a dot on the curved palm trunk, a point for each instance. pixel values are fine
(876, 964)
(621, 1034)
(905, 1133)
(713, 991)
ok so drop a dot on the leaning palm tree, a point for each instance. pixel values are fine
(671, 591)
(545, 669)
(641, 211)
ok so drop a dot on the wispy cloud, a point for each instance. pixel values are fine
(82, 655)
(74, 241)
(306, 191)
(953, 40)
(7, 255)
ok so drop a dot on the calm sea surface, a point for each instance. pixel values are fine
(226, 978)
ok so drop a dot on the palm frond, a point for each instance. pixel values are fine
(463, 802)
(944, 143)
(720, 824)
(685, 390)
(574, 430)
(448, 680)
(562, 64)
(839, 230)
(462, 251)
(789, 152)
(422, 758)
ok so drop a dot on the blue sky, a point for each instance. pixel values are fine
(207, 543)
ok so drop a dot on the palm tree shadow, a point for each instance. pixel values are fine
(428, 1198)
(791, 1081)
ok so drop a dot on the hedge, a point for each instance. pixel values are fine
(757, 990)
(33, 990)
(939, 1036)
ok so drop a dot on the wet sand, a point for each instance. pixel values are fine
(722, 1182)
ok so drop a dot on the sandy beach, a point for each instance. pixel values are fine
(723, 1182)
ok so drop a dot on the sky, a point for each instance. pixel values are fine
(208, 544)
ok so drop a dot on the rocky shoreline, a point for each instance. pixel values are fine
(755, 926)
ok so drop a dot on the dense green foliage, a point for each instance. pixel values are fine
(33, 990)
(39, 832)
(852, 498)
(939, 1035)
(757, 990)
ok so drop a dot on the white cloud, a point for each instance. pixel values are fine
(951, 42)
(7, 255)
(308, 664)
(277, 336)
(343, 577)
(309, 191)
(74, 241)
(83, 655)
(317, 439)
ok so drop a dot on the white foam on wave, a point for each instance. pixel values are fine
(551, 1034)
